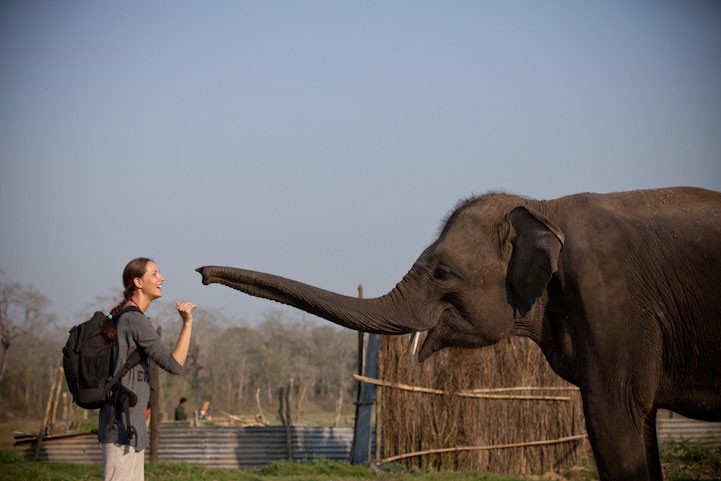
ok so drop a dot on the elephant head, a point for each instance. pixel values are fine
(492, 261)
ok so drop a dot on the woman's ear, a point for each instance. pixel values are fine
(537, 244)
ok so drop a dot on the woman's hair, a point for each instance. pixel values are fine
(134, 268)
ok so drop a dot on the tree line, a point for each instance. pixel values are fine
(238, 366)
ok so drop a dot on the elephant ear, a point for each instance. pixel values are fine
(537, 244)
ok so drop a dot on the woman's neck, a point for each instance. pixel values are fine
(140, 302)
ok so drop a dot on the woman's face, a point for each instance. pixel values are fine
(151, 284)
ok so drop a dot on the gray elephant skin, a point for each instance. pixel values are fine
(621, 291)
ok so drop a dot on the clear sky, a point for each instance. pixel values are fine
(325, 140)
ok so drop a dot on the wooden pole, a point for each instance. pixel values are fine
(528, 388)
(281, 407)
(484, 448)
(362, 439)
(338, 407)
(379, 424)
(46, 419)
(68, 411)
(361, 349)
(260, 409)
(56, 399)
(359, 386)
(472, 394)
(289, 418)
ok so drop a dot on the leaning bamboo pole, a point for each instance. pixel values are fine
(464, 393)
(526, 388)
(56, 398)
(565, 439)
(56, 384)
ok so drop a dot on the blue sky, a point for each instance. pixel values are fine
(325, 140)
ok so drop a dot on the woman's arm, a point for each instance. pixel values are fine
(180, 351)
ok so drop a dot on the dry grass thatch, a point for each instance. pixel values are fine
(429, 421)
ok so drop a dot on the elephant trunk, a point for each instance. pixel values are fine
(394, 313)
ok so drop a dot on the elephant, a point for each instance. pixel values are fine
(621, 291)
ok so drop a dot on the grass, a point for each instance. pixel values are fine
(681, 461)
(685, 461)
(15, 468)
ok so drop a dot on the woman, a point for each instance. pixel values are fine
(204, 412)
(123, 449)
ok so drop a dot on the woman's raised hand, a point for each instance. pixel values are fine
(185, 310)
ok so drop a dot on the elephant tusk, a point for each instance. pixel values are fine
(414, 343)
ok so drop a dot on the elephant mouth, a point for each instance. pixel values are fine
(431, 340)
(453, 329)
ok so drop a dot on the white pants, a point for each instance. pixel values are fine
(123, 463)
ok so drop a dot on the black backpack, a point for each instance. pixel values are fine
(87, 361)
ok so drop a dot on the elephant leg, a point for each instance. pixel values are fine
(617, 438)
(653, 458)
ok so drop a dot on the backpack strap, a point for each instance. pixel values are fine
(119, 396)
(124, 310)
(134, 358)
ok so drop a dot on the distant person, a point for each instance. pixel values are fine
(123, 446)
(204, 413)
(180, 414)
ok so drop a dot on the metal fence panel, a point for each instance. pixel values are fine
(250, 447)
(223, 447)
(679, 428)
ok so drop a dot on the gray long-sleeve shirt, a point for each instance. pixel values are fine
(135, 332)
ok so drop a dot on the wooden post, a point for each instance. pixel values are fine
(285, 418)
(361, 450)
(155, 415)
(362, 436)
(379, 417)
(359, 385)
(56, 399)
(338, 407)
(260, 409)
(361, 354)
(46, 419)
(289, 417)
(64, 413)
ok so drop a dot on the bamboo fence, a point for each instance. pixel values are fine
(498, 409)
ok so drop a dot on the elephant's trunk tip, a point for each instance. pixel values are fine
(202, 272)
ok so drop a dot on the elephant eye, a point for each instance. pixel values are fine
(439, 273)
(442, 273)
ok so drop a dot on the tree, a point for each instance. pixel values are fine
(24, 310)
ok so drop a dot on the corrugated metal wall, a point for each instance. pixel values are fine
(227, 447)
(222, 447)
(679, 428)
